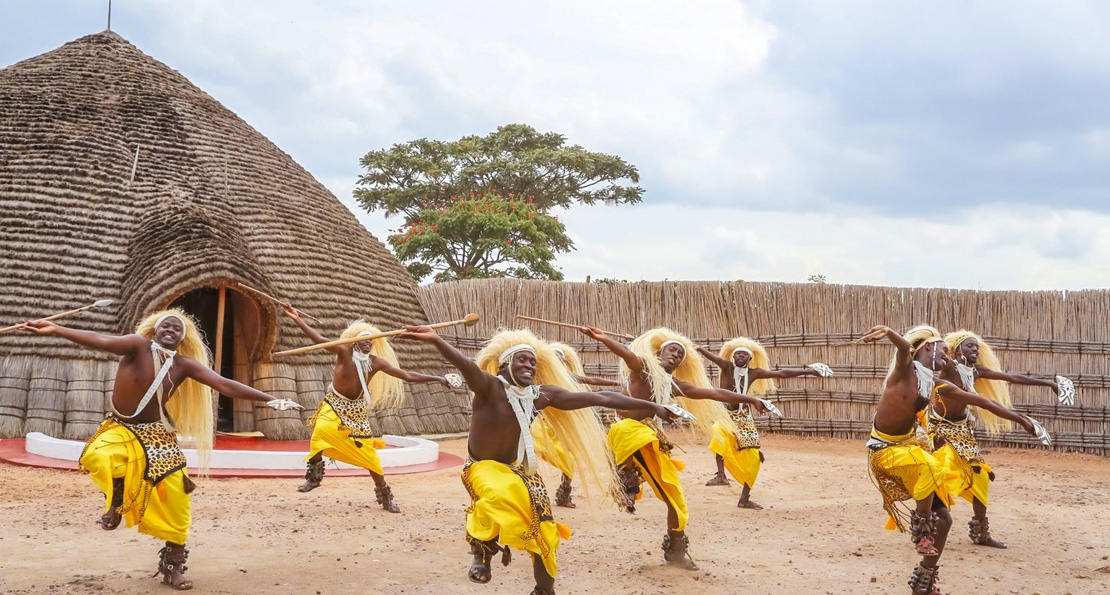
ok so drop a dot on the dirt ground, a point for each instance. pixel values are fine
(820, 533)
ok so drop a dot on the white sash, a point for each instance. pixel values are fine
(523, 401)
(155, 388)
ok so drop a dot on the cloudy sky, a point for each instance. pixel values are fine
(947, 144)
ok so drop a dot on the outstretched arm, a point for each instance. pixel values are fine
(566, 400)
(959, 395)
(316, 337)
(989, 374)
(619, 349)
(117, 344)
(595, 381)
(224, 386)
(757, 373)
(380, 365)
(479, 381)
(719, 394)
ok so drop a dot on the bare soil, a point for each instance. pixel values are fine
(821, 532)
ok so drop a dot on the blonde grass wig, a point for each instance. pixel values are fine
(569, 357)
(760, 360)
(692, 369)
(995, 390)
(388, 392)
(191, 405)
(579, 431)
(918, 337)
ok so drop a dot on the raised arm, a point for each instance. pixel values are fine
(989, 374)
(316, 337)
(949, 391)
(380, 365)
(117, 344)
(900, 343)
(595, 381)
(722, 363)
(224, 386)
(617, 348)
(477, 379)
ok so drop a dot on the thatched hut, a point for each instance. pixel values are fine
(121, 179)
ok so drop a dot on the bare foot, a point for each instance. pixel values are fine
(718, 480)
(743, 503)
(110, 521)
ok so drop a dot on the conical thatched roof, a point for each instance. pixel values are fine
(212, 202)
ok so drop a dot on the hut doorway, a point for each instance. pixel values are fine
(230, 323)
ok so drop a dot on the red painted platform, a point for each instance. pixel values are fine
(12, 451)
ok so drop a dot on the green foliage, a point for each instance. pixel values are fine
(427, 181)
(479, 237)
(816, 279)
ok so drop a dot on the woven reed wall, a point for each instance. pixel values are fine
(1036, 333)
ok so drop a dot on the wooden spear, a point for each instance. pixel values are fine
(573, 326)
(275, 300)
(468, 320)
(96, 304)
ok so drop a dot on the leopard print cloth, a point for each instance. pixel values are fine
(959, 434)
(747, 435)
(163, 455)
(665, 444)
(537, 497)
(354, 414)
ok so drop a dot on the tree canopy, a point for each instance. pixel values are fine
(463, 200)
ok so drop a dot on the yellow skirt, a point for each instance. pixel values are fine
(743, 465)
(906, 472)
(963, 479)
(550, 449)
(516, 513)
(333, 440)
(160, 509)
(629, 438)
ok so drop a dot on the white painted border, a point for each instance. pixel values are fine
(406, 451)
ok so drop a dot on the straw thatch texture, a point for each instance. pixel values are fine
(212, 202)
(1037, 333)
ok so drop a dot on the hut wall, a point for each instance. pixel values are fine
(1035, 333)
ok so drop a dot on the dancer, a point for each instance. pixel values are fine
(556, 455)
(900, 467)
(165, 371)
(515, 377)
(950, 424)
(745, 368)
(341, 426)
(659, 366)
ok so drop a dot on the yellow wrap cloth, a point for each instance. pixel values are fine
(550, 449)
(650, 450)
(742, 465)
(902, 470)
(332, 436)
(968, 475)
(512, 508)
(963, 479)
(154, 488)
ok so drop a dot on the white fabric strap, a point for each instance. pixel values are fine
(510, 352)
(156, 386)
(362, 365)
(744, 349)
(162, 318)
(523, 401)
(674, 342)
(740, 379)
